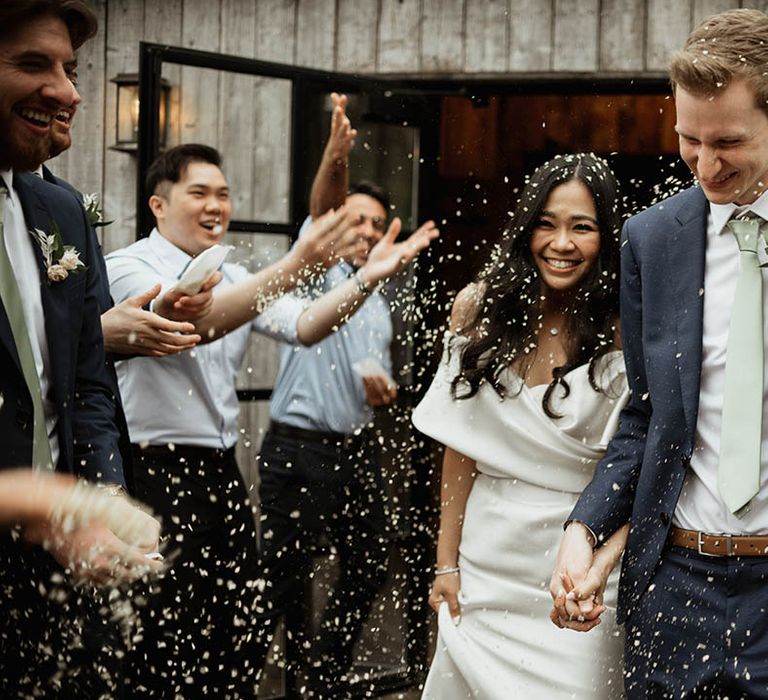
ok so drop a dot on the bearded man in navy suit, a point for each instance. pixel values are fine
(693, 591)
(55, 396)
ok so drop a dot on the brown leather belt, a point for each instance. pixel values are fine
(720, 545)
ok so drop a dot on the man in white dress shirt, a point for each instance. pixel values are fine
(182, 415)
(692, 481)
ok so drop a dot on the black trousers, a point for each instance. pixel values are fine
(700, 630)
(196, 635)
(56, 640)
(310, 491)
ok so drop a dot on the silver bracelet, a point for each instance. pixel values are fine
(448, 570)
(362, 286)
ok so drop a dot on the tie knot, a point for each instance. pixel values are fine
(747, 231)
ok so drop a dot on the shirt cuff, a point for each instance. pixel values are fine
(591, 532)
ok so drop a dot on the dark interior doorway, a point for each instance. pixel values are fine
(487, 147)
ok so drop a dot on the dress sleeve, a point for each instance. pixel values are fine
(439, 415)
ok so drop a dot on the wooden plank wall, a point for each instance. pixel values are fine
(369, 36)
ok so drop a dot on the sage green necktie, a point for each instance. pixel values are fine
(11, 298)
(738, 475)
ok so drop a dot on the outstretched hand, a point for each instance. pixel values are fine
(387, 257)
(177, 306)
(330, 238)
(130, 330)
(97, 537)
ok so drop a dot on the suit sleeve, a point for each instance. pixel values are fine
(606, 504)
(95, 432)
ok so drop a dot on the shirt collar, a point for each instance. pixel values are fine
(169, 253)
(722, 213)
(7, 176)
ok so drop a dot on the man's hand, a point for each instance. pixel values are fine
(329, 239)
(341, 140)
(177, 306)
(589, 594)
(100, 538)
(387, 257)
(574, 560)
(445, 589)
(92, 553)
(130, 330)
(380, 390)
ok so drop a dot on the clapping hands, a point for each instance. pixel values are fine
(329, 239)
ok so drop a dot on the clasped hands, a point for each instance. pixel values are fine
(580, 576)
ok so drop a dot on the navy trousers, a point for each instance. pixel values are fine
(700, 630)
(196, 638)
(310, 491)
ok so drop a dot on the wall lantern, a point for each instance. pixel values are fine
(127, 116)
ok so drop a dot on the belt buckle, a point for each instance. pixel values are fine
(728, 545)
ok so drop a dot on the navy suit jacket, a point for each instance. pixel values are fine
(662, 298)
(80, 386)
(101, 285)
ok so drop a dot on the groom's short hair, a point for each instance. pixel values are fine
(169, 167)
(723, 48)
(76, 14)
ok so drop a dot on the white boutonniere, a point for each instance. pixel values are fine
(60, 260)
(92, 205)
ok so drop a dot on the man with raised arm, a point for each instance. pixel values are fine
(319, 466)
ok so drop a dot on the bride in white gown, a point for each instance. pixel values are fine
(526, 397)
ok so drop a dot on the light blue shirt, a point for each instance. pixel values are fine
(189, 398)
(316, 387)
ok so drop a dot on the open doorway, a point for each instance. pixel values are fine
(487, 147)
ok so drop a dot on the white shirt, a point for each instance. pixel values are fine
(188, 398)
(21, 251)
(700, 506)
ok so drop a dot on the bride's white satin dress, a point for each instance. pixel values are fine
(531, 470)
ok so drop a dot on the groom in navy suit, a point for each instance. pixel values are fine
(693, 591)
(57, 407)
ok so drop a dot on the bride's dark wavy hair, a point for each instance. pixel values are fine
(502, 330)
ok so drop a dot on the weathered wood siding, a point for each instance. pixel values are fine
(373, 36)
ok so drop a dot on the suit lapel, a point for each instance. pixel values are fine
(6, 337)
(686, 255)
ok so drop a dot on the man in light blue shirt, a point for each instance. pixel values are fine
(182, 415)
(320, 471)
